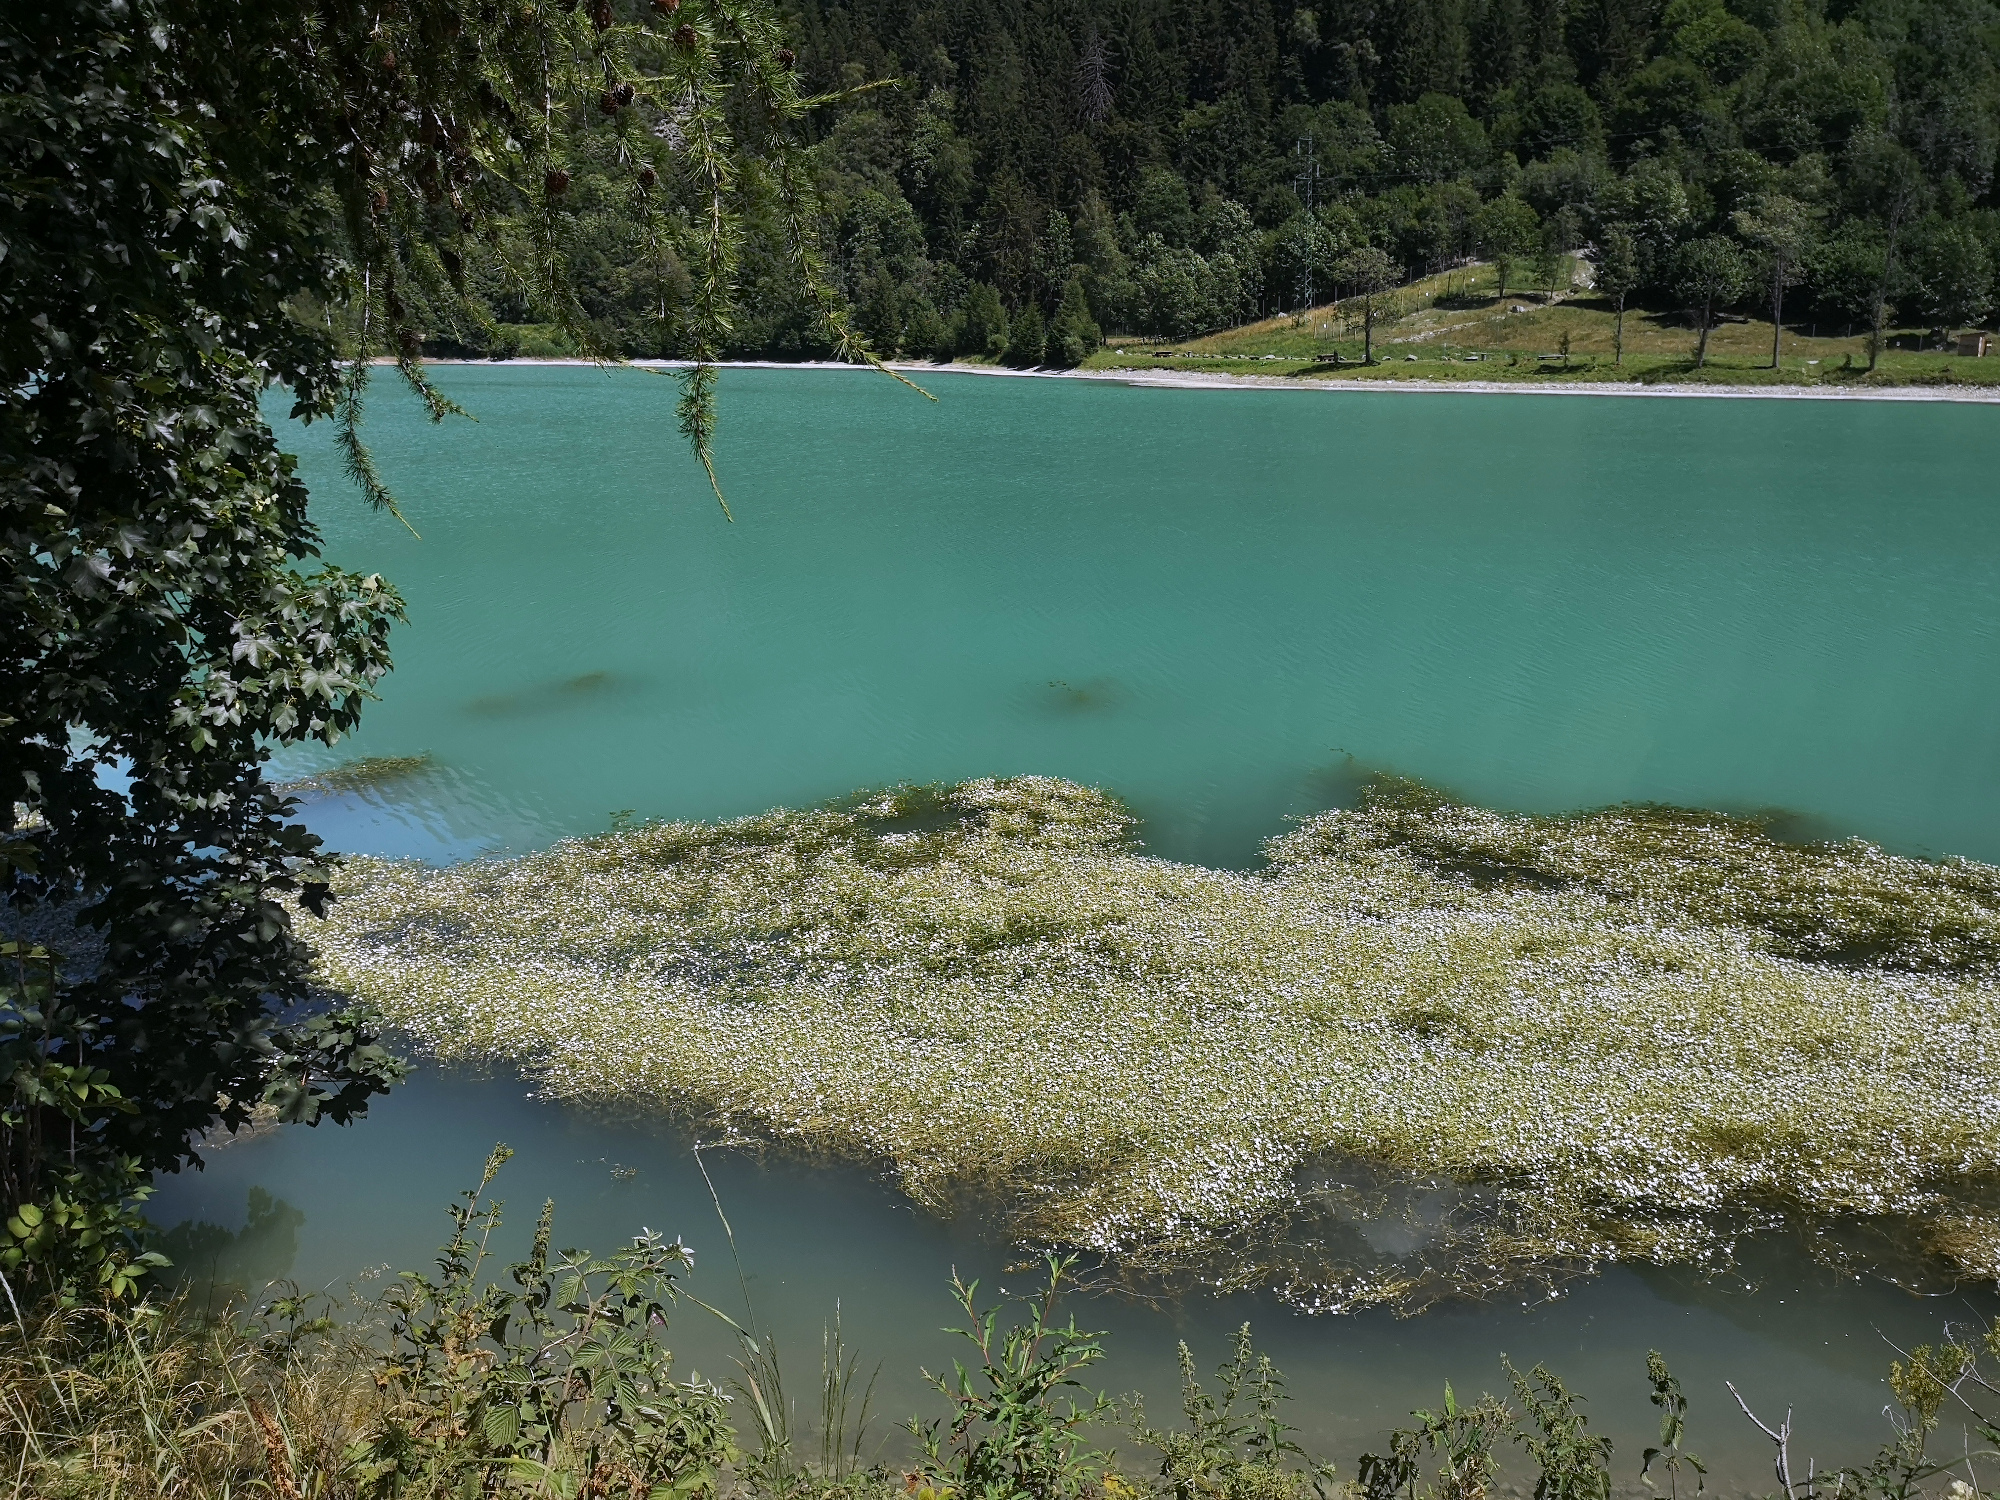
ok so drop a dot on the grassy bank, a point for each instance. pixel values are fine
(1626, 1034)
(1456, 326)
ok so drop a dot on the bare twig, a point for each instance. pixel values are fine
(1782, 1437)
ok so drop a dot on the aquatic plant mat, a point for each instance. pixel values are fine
(1427, 1049)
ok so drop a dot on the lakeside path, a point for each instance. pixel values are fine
(1206, 380)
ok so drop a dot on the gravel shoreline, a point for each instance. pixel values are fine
(1216, 380)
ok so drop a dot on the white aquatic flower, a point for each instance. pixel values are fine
(1142, 1058)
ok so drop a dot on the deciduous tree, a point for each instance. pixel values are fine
(1368, 272)
(1783, 229)
(179, 180)
(1615, 265)
(1952, 275)
(1709, 273)
(1508, 232)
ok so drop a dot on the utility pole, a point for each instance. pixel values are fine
(1308, 185)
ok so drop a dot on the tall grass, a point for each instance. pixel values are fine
(1625, 1034)
(148, 1402)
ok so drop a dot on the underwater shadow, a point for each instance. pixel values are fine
(217, 1267)
(556, 696)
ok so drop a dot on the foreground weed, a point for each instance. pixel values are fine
(1235, 1445)
(144, 1402)
(1462, 1441)
(557, 1382)
(844, 1415)
(1014, 1433)
(1670, 1455)
(1571, 1462)
(540, 1393)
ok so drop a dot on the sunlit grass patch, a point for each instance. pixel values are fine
(1622, 1034)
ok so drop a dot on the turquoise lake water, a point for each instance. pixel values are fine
(1205, 601)
(1224, 606)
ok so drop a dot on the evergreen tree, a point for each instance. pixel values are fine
(924, 334)
(1027, 338)
(1032, 142)
(1073, 334)
(980, 329)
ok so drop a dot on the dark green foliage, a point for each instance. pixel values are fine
(1435, 140)
(1951, 274)
(1020, 125)
(924, 333)
(1557, 117)
(1167, 154)
(156, 628)
(1305, 256)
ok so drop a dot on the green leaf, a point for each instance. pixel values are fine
(501, 1427)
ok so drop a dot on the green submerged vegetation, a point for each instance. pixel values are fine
(1533, 1042)
(362, 775)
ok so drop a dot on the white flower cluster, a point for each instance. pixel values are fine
(1606, 1035)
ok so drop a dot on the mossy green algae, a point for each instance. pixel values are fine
(1629, 1032)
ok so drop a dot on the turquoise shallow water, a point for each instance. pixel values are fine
(1222, 605)
(1206, 601)
(817, 1240)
